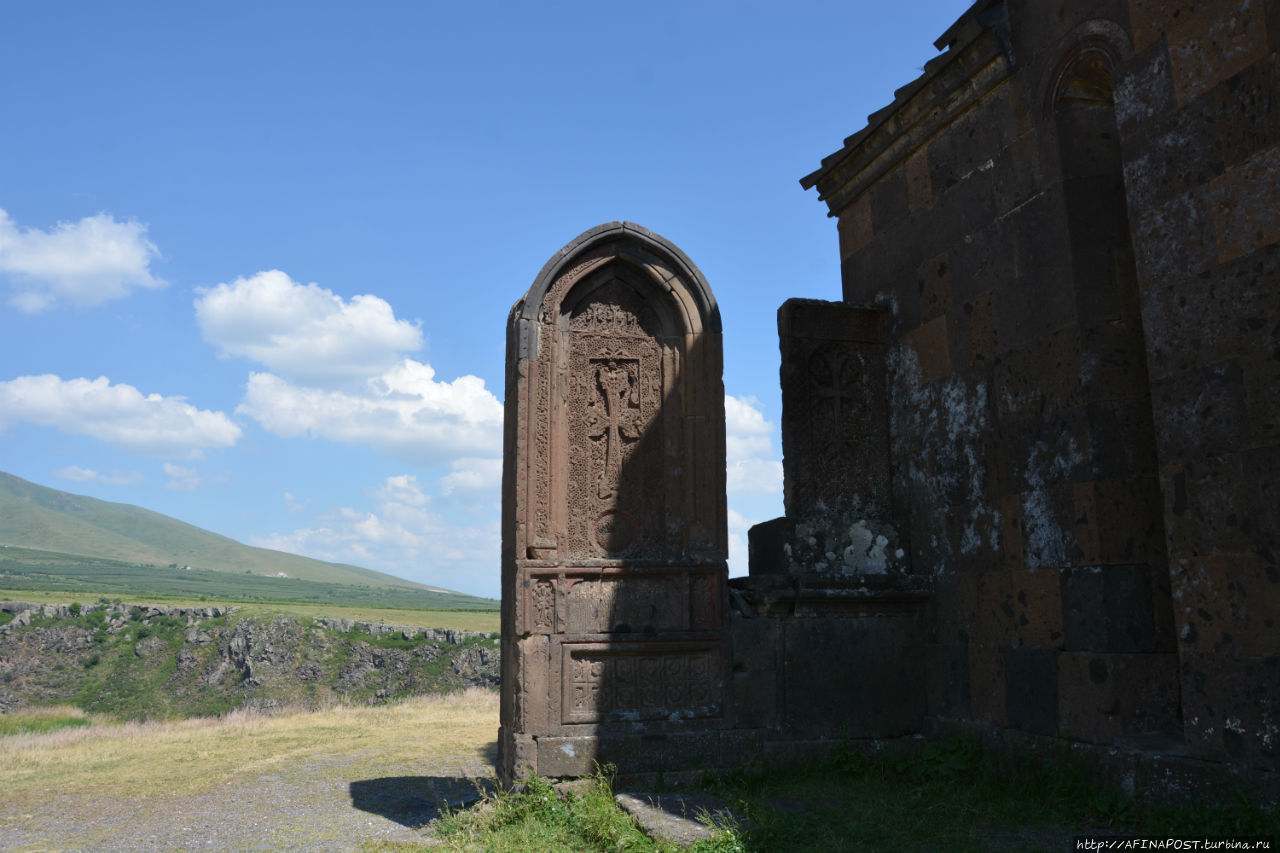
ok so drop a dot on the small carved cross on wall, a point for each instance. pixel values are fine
(615, 417)
(827, 369)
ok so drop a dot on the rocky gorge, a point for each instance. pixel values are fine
(155, 662)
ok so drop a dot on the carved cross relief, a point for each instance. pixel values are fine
(615, 471)
(835, 384)
(613, 416)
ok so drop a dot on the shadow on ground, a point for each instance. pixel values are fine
(415, 801)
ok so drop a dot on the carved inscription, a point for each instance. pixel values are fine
(637, 684)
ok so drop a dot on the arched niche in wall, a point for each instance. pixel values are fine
(1119, 553)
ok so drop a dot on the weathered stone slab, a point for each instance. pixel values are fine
(677, 818)
(835, 427)
(614, 520)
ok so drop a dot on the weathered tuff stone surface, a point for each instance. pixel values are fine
(614, 520)
(1069, 221)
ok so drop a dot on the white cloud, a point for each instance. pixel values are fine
(754, 477)
(743, 417)
(400, 536)
(88, 475)
(337, 371)
(472, 475)
(80, 263)
(293, 504)
(748, 446)
(181, 479)
(119, 415)
(304, 332)
(404, 412)
(75, 472)
(402, 489)
(738, 550)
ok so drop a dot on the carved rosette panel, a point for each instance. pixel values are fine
(615, 475)
(621, 682)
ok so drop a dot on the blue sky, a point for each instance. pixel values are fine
(256, 258)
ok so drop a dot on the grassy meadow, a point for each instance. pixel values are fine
(26, 571)
(175, 759)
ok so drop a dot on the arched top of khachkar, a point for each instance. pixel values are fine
(623, 246)
(614, 526)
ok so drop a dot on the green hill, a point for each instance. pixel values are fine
(39, 518)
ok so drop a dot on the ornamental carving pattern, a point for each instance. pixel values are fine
(833, 419)
(543, 599)
(613, 501)
(604, 684)
(702, 602)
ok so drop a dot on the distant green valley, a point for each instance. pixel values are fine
(61, 542)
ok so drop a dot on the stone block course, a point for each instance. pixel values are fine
(1218, 39)
(1031, 689)
(987, 684)
(1038, 610)
(1227, 604)
(1105, 696)
(1244, 205)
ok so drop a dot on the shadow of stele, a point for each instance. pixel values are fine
(415, 801)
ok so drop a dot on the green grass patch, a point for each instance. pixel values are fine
(583, 820)
(466, 620)
(41, 721)
(947, 797)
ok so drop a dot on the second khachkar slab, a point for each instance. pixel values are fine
(835, 425)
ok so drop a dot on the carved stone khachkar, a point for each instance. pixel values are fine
(835, 446)
(614, 524)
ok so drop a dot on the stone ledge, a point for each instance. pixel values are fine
(1150, 768)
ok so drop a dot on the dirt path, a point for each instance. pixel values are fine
(319, 805)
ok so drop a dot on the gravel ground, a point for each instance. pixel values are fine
(317, 805)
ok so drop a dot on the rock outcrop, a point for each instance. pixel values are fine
(145, 661)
